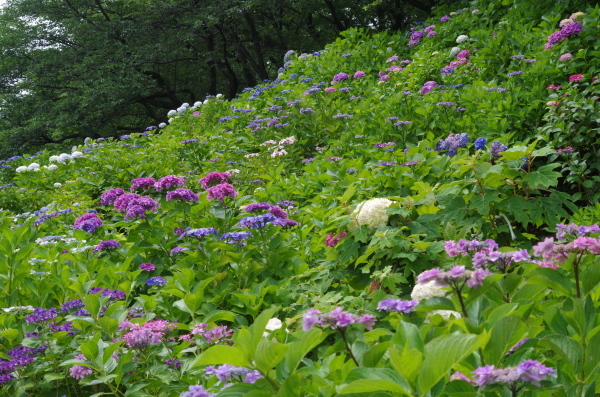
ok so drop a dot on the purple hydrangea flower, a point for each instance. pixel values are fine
(158, 281)
(167, 182)
(148, 267)
(142, 183)
(184, 195)
(88, 222)
(214, 178)
(110, 196)
(397, 305)
(199, 233)
(219, 192)
(497, 148)
(107, 245)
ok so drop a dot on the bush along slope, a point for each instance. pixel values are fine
(400, 214)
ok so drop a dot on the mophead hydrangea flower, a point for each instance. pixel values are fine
(372, 213)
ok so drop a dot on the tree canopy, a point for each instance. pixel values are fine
(76, 68)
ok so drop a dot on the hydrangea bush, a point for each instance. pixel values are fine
(403, 213)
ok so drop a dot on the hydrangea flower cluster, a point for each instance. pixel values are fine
(80, 371)
(529, 371)
(336, 319)
(451, 144)
(20, 356)
(569, 27)
(428, 87)
(142, 336)
(456, 277)
(217, 185)
(88, 222)
(227, 373)
(197, 391)
(212, 335)
(107, 245)
(397, 305)
(552, 253)
(332, 239)
(183, 195)
(372, 213)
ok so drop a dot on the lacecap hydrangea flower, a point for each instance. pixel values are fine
(372, 213)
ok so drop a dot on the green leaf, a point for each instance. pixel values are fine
(407, 363)
(543, 177)
(441, 354)
(566, 347)
(268, 354)
(482, 203)
(505, 334)
(220, 354)
(367, 380)
(297, 350)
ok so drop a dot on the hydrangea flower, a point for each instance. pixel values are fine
(219, 192)
(372, 213)
(88, 222)
(183, 195)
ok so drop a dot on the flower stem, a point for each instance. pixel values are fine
(348, 347)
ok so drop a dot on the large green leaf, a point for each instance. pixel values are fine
(268, 354)
(297, 350)
(505, 334)
(366, 380)
(220, 354)
(441, 354)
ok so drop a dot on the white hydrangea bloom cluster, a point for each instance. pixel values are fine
(462, 38)
(454, 52)
(371, 213)
(429, 290)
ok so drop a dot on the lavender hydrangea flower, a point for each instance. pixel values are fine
(199, 233)
(148, 267)
(197, 391)
(497, 148)
(88, 222)
(397, 305)
(40, 315)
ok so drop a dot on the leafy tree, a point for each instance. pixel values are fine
(77, 68)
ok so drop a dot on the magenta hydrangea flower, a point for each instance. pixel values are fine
(214, 178)
(122, 202)
(148, 267)
(107, 245)
(219, 192)
(167, 182)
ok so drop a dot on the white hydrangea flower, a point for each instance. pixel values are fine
(205, 102)
(428, 290)
(274, 324)
(233, 171)
(445, 314)
(33, 166)
(87, 141)
(162, 125)
(76, 155)
(185, 105)
(64, 157)
(57, 184)
(219, 96)
(454, 51)
(462, 38)
(180, 109)
(52, 167)
(371, 213)
(196, 104)
(278, 152)
(53, 159)
(287, 141)
(21, 169)
(171, 120)
(172, 113)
